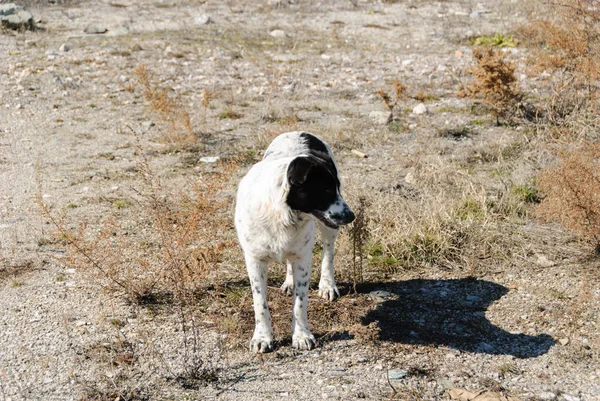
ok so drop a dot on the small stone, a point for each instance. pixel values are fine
(209, 159)
(379, 295)
(148, 124)
(278, 33)
(13, 16)
(410, 178)
(64, 48)
(543, 261)
(95, 30)
(563, 341)
(203, 20)
(397, 374)
(362, 359)
(485, 347)
(547, 395)
(568, 397)
(420, 109)
(380, 117)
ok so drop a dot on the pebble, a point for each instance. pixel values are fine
(419, 109)
(209, 159)
(547, 396)
(379, 117)
(563, 341)
(94, 30)
(278, 33)
(203, 20)
(568, 397)
(64, 48)
(397, 374)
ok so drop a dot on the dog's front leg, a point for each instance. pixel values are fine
(302, 338)
(327, 287)
(262, 340)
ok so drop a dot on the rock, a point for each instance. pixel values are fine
(362, 359)
(380, 295)
(278, 33)
(445, 383)
(410, 178)
(380, 117)
(209, 159)
(563, 341)
(397, 374)
(547, 395)
(13, 16)
(478, 13)
(485, 347)
(203, 20)
(568, 397)
(420, 109)
(543, 261)
(95, 30)
(64, 48)
(148, 124)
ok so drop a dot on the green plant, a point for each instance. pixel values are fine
(498, 40)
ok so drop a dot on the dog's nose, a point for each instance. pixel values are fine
(349, 217)
(346, 217)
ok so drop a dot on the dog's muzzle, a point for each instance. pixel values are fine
(336, 219)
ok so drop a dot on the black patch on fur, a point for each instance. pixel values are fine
(313, 184)
(317, 148)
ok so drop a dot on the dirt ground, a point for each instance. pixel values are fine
(521, 321)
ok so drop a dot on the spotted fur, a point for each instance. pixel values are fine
(281, 202)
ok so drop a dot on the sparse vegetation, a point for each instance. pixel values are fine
(168, 109)
(571, 192)
(495, 82)
(391, 101)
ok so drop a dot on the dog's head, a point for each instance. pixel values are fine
(315, 189)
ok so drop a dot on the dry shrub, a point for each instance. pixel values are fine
(568, 40)
(175, 244)
(565, 44)
(159, 250)
(495, 82)
(392, 101)
(572, 192)
(170, 111)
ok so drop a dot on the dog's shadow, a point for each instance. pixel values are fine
(449, 313)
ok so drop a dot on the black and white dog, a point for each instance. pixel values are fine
(278, 202)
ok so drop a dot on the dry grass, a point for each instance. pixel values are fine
(159, 250)
(391, 101)
(169, 110)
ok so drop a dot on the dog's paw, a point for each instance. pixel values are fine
(288, 287)
(261, 345)
(328, 291)
(303, 341)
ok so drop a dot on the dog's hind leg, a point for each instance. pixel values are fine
(288, 284)
(302, 338)
(262, 340)
(327, 287)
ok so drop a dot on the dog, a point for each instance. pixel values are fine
(280, 202)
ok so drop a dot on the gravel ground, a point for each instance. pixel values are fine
(527, 326)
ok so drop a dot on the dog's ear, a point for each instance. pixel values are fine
(298, 169)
